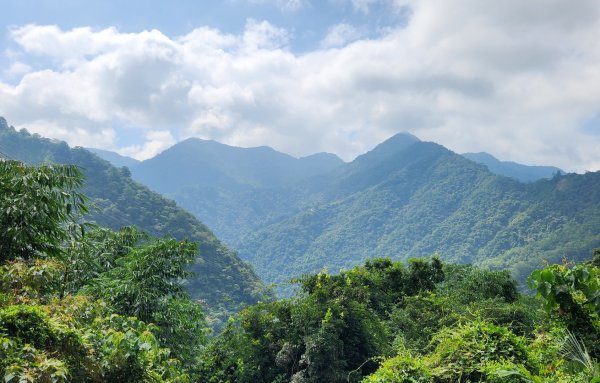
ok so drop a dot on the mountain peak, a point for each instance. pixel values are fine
(3, 123)
(392, 145)
(402, 136)
(323, 156)
(397, 142)
(197, 141)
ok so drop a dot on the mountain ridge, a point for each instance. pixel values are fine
(404, 198)
(425, 199)
(521, 172)
(114, 158)
(234, 190)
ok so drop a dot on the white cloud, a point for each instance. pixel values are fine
(291, 5)
(263, 35)
(17, 69)
(517, 79)
(73, 134)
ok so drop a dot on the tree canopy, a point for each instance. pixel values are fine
(88, 304)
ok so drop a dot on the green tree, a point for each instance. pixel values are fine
(333, 331)
(571, 295)
(38, 208)
(49, 332)
(147, 282)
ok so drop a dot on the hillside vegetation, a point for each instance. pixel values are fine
(424, 321)
(408, 199)
(222, 281)
(81, 303)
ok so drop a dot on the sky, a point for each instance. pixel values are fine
(517, 79)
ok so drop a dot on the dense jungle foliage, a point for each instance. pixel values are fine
(80, 303)
(115, 200)
(425, 321)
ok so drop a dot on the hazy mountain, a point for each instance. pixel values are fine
(222, 280)
(196, 162)
(115, 158)
(233, 190)
(524, 173)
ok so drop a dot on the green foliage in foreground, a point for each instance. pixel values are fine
(92, 306)
(35, 202)
(77, 339)
(387, 322)
(572, 296)
(561, 348)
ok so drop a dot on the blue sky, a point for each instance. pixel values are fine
(517, 79)
(308, 22)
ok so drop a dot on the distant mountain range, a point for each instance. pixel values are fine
(233, 190)
(524, 173)
(196, 162)
(114, 158)
(222, 281)
(404, 198)
(310, 165)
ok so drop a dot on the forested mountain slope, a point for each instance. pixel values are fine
(222, 280)
(408, 198)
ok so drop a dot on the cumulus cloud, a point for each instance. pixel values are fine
(362, 5)
(517, 79)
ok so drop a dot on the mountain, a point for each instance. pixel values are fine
(222, 280)
(404, 198)
(115, 158)
(408, 198)
(523, 173)
(233, 190)
(195, 162)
